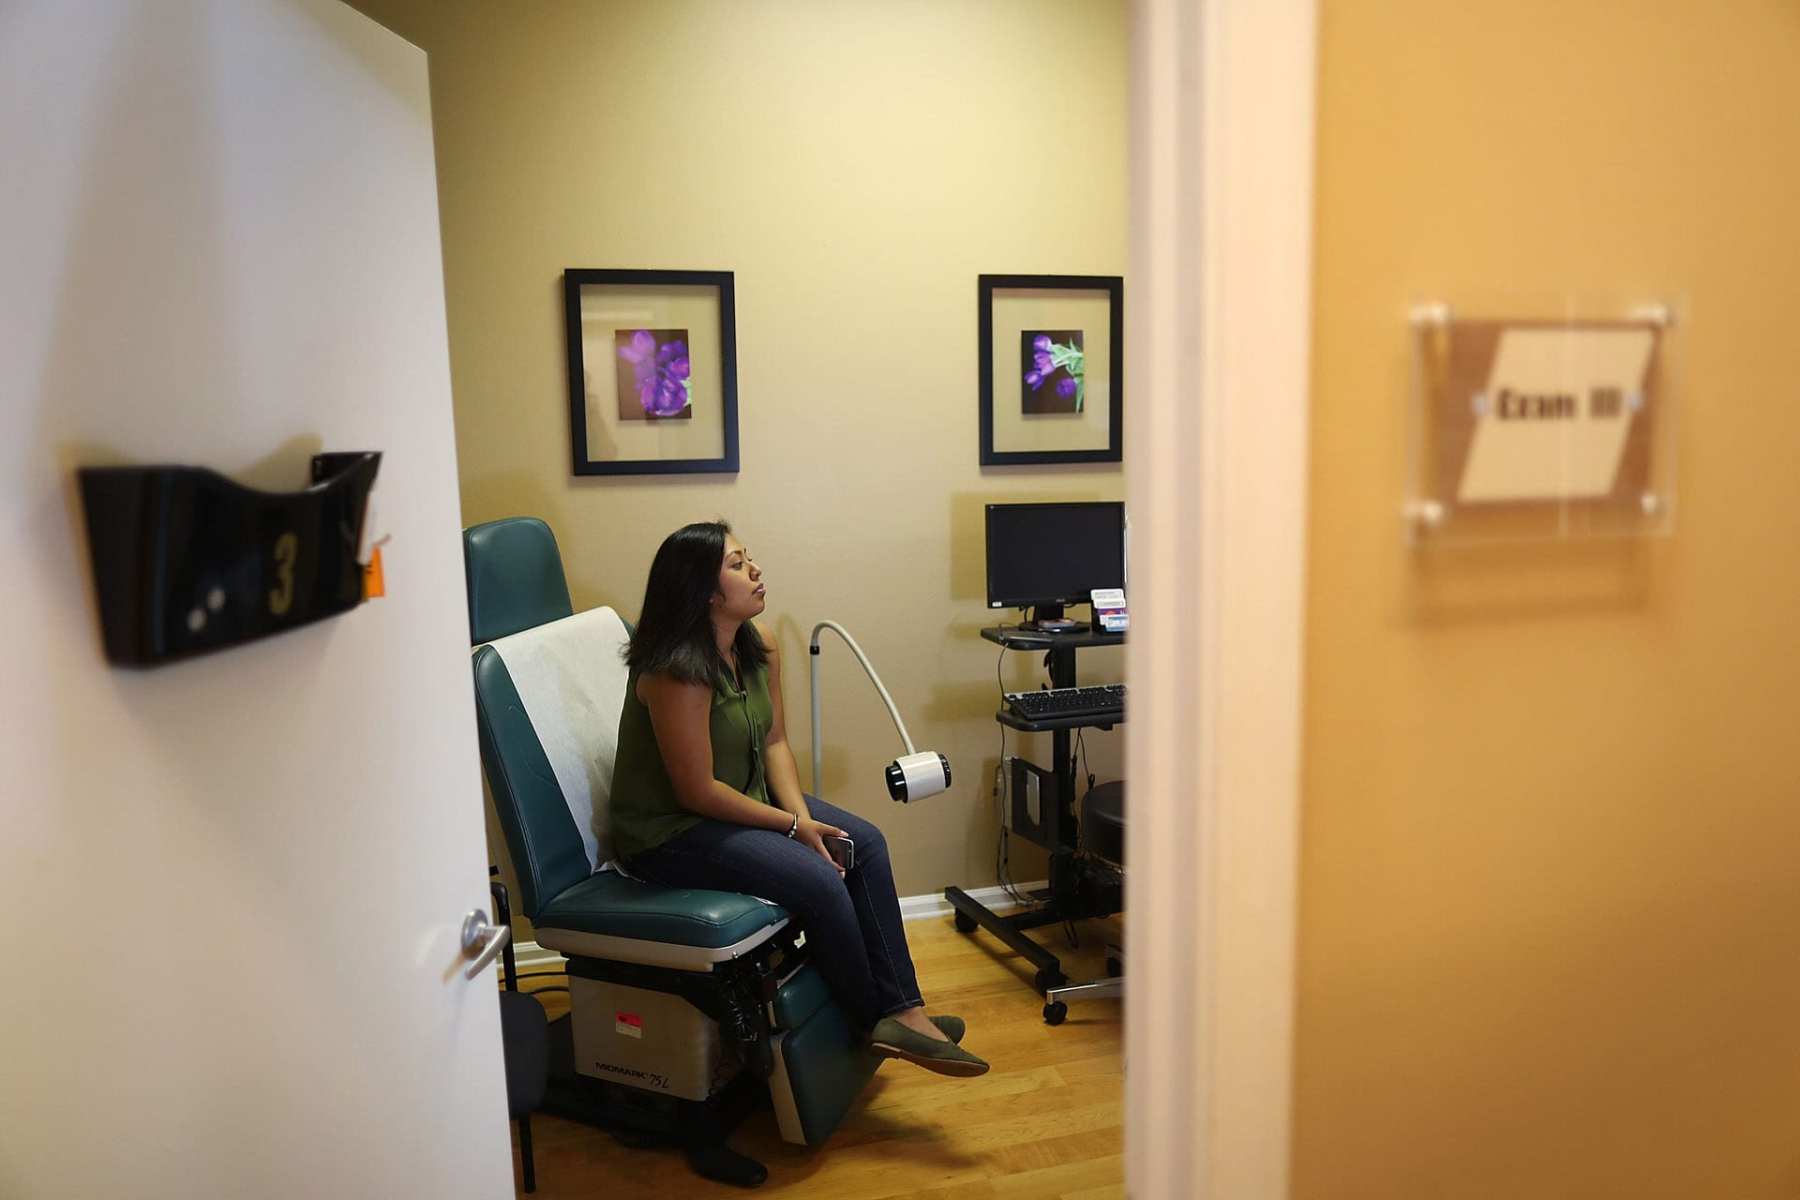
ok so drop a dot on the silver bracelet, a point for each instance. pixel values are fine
(795, 827)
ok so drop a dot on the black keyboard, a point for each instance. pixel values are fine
(1106, 700)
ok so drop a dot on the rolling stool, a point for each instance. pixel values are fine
(1103, 838)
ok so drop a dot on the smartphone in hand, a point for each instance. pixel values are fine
(841, 849)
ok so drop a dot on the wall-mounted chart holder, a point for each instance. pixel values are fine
(186, 561)
(1540, 428)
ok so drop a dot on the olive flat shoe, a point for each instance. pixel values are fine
(946, 1058)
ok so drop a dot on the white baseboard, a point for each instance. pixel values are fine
(529, 956)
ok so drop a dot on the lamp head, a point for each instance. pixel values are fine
(916, 776)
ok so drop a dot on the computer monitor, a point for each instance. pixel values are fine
(1043, 556)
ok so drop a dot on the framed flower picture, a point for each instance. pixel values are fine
(652, 371)
(1052, 368)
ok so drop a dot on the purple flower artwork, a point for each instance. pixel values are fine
(1053, 367)
(653, 374)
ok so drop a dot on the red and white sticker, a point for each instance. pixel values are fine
(628, 1024)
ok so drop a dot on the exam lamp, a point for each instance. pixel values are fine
(915, 774)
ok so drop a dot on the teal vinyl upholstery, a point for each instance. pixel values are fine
(515, 578)
(799, 998)
(607, 903)
(825, 1065)
(547, 850)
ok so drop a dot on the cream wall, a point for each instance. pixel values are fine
(1550, 894)
(857, 166)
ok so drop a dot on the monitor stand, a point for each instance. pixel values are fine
(1051, 613)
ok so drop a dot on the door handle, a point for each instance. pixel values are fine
(482, 941)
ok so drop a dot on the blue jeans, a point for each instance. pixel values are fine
(852, 924)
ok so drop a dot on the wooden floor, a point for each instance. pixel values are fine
(1045, 1123)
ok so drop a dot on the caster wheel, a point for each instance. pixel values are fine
(965, 923)
(1114, 967)
(1055, 1012)
(1046, 979)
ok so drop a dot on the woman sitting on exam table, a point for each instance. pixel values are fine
(706, 794)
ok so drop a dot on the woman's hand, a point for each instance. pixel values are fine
(813, 833)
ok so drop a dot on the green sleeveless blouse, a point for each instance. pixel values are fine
(645, 813)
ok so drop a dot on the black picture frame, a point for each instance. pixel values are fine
(1114, 287)
(576, 278)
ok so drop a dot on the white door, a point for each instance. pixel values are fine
(232, 963)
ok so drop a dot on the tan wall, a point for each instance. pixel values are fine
(1550, 900)
(857, 166)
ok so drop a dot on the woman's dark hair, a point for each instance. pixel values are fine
(674, 630)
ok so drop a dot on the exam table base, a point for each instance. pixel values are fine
(639, 1118)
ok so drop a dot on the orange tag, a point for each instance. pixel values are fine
(373, 583)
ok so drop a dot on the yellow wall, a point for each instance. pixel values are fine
(857, 166)
(1551, 863)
